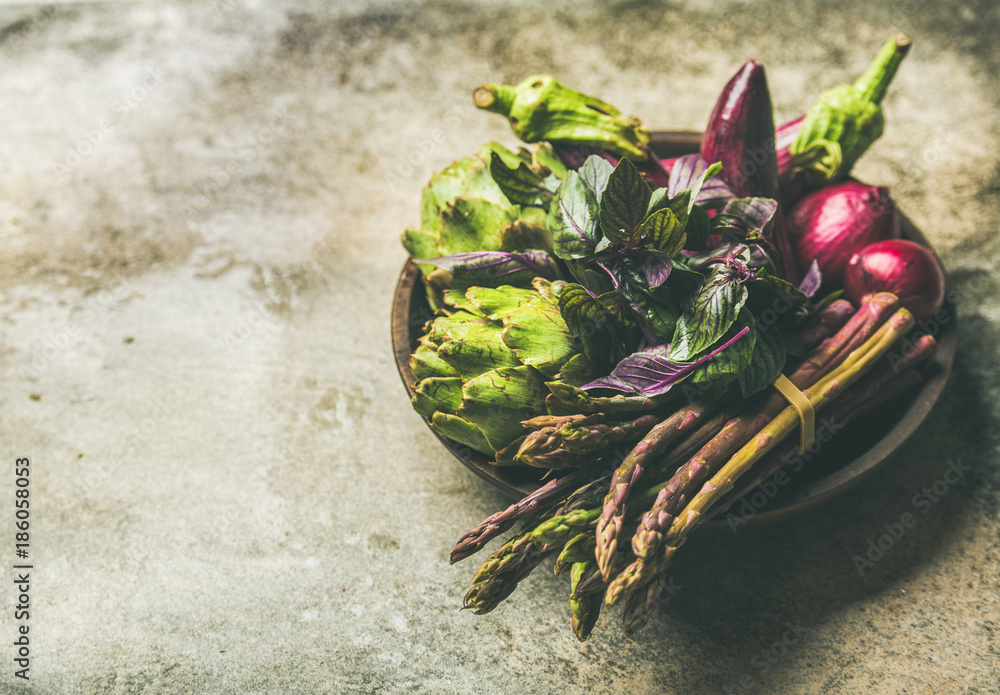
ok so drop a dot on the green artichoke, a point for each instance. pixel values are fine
(482, 368)
(847, 119)
(463, 209)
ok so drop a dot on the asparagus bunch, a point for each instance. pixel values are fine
(733, 434)
(679, 490)
(645, 569)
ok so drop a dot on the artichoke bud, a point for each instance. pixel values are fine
(482, 369)
(847, 119)
(540, 108)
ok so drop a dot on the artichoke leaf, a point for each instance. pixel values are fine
(538, 336)
(497, 401)
(438, 394)
(462, 431)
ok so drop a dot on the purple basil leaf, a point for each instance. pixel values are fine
(689, 172)
(651, 372)
(656, 267)
(747, 216)
(494, 268)
(812, 280)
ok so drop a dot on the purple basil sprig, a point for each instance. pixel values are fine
(652, 373)
(493, 268)
(688, 173)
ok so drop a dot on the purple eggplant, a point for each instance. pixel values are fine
(790, 179)
(741, 135)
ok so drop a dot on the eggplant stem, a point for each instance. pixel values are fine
(874, 82)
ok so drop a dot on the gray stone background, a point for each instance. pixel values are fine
(200, 211)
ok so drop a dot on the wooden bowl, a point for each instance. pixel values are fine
(853, 454)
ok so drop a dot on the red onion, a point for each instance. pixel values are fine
(907, 269)
(832, 224)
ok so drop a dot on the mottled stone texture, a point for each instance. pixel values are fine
(199, 221)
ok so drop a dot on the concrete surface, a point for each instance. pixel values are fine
(199, 221)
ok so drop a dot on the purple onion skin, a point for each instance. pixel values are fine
(903, 267)
(833, 223)
(741, 135)
(652, 169)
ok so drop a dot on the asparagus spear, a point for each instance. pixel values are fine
(502, 571)
(562, 527)
(639, 605)
(644, 570)
(499, 575)
(562, 441)
(552, 493)
(577, 549)
(631, 469)
(585, 608)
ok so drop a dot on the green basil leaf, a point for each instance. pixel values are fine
(624, 202)
(573, 219)
(587, 319)
(664, 232)
(767, 361)
(595, 171)
(708, 315)
(697, 228)
(728, 364)
(521, 185)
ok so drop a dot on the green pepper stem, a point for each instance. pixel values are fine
(874, 82)
(498, 98)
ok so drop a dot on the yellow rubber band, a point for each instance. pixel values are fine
(799, 401)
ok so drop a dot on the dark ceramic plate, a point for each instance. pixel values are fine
(854, 453)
